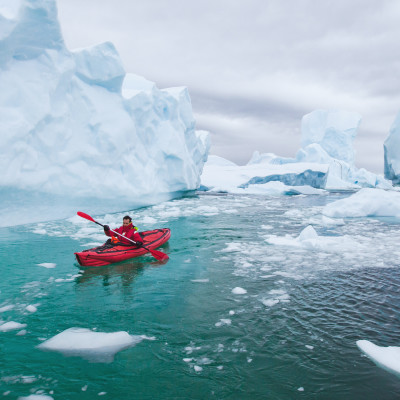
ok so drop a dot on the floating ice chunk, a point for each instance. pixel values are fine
(270, 302)
(47, 265)
(198, 368)
(93, 346)
(10, 326)
(387, 358)
(239, 290)
(310, 240)
(300, 389)
(309, 347)
(200, 280)
(36, 397)
(31, 308)
(223, 321)
(366, 203)
(7, 308)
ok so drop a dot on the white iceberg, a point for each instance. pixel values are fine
(76, 128)
(325, 161)
(366, 203)
(391, 148)
(11, 326)
(90, 345)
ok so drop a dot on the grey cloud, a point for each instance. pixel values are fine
(264, 63)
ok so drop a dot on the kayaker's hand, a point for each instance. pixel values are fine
(106, 228)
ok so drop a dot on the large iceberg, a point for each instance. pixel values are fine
(76, 129)
(325, 161)
(391, 148)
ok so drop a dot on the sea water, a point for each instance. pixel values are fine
(243, 309)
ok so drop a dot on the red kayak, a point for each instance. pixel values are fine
(109, 253)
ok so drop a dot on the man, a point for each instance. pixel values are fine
(127, 230)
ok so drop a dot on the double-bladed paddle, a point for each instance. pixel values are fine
(159, 255)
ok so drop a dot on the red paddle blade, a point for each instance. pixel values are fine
(86, 216)
(159, 255)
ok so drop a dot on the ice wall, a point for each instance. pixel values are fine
(73, 124)
(391, 148)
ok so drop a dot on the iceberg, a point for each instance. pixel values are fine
(77, 130)
(325, 161)
(391, 148)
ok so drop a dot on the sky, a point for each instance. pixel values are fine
(255, 67)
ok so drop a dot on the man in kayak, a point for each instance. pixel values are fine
(126, 231)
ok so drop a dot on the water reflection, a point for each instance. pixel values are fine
(126, 271)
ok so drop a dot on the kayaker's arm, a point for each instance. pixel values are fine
(107, 230)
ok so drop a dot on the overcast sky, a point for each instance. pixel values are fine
(255, 67)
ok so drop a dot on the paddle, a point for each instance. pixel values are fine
(159, 255)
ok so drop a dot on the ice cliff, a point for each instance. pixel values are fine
(391, 148)
(73, 124)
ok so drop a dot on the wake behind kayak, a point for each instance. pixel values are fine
(109, 253)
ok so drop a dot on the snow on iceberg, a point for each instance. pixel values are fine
(367, 202)
(93, 346)
(391, 148)
(387, 358)
(75, 126)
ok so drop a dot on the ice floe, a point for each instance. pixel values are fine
(366, 203)
(387, 358)
(93, 346)
(11, 326)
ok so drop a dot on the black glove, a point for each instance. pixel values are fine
(106, 228)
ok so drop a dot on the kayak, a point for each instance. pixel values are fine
(110, 253)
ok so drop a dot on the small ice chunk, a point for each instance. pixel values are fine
(187, 360)
(300, 389)
(31, 308)
(200, 280)
(94, 346)
(47, 265)
(10, 326)
(309, 347)
(84, 388)
(198, 368)
(21, 333)
(6, 308)
(231, 312)
(239, 290)
(223, 321)
(270, 302)
(36, 397)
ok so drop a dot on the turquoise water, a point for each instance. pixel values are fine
(291, 333)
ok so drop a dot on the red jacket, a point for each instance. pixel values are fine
(126, 232)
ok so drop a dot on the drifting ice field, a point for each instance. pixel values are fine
(262, 298)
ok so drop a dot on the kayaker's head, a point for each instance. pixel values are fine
(127, 220)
